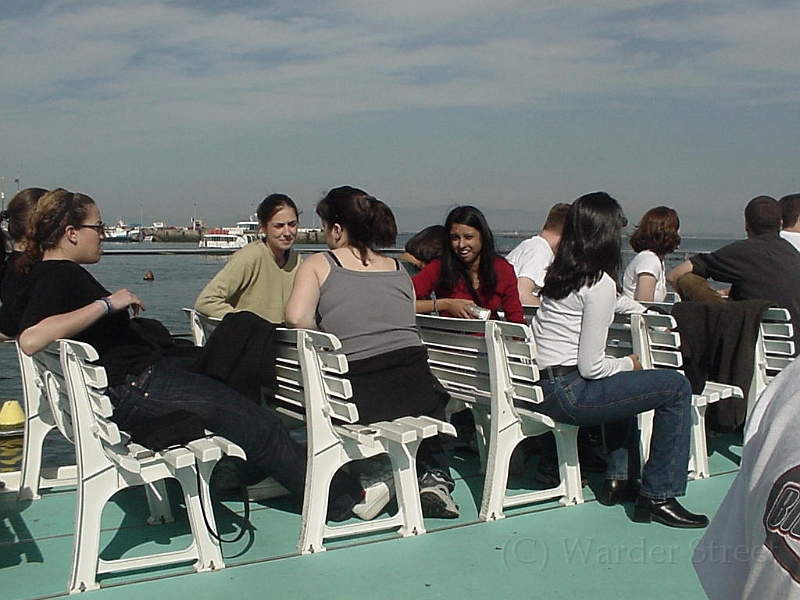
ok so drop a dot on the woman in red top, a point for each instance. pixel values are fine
(469, 274)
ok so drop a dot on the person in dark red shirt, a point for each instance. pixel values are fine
(469, 275)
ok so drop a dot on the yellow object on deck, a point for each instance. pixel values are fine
(11, 415)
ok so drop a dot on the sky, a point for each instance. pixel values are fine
(164, 109)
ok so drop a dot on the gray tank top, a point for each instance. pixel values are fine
(371, 312)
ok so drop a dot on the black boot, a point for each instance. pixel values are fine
(618, 490)
(668, 512)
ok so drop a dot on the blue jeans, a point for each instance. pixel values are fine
(573, 400)
(167, 386)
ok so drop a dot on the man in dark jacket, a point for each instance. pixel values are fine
(762, 267)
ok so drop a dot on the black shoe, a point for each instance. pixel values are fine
(668, 512)
(618, 490)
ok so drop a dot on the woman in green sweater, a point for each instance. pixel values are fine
(260, 276)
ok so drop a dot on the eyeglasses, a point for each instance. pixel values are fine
(99, 228)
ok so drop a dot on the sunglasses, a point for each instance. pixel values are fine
(99, 228)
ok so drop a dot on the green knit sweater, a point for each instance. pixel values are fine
(251, 280)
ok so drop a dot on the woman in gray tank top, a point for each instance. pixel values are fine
(366, 299)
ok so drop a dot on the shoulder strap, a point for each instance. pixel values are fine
(335, 259)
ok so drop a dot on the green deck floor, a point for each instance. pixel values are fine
(541, 551)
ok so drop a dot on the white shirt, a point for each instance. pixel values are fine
(645, 262)
(573, 330)
(793, 237)
(530, 259)
(738, 557)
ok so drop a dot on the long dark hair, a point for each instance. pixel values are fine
(453, 268)
(49, 218)
(369, 223)
(590, 246)
(17, 213)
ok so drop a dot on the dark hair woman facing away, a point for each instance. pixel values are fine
(366, 300)
(17, 214)
(584, 387)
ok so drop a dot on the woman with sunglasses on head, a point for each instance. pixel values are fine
(63, 300)
(582, 386)
(469, 280)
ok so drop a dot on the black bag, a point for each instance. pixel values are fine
(176, 428)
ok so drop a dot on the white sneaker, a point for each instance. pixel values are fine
(375, 499)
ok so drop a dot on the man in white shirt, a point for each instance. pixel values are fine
(790, 211)
(532, 256)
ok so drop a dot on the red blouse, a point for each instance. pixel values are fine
(504, 297)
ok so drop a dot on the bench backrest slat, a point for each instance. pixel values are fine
(460, 357)
(311, 370)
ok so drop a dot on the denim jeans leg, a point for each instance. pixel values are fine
(622, 442)
(258, 431)
(577, 401)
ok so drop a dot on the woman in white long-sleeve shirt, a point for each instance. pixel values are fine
(584, 387)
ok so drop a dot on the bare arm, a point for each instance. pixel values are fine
(425, 307)
(302, 304)
(678, 272)
(645, 288)
(527, 289)
(455, 307)
(37, 337)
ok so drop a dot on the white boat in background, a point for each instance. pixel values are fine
(231, 237)
(250, 227)
(226, 240)
(118, 232)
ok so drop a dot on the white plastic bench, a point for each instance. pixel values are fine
(40, 419)
(655, 339)
(774, 351)
(312, 386)
(200, 325)
(491, 367)
(658, 344)
(107, 462)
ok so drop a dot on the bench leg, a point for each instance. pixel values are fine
(501, 447)
(404, 465)
(698, 457)
(92, 496)
(319, 475)
(35, 432)
(483, 427)
(209, 554)
(569, 465)
(158, 502)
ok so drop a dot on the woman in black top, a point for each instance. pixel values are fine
(63, 300)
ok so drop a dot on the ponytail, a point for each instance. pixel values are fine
(48, 220)
(369, 222)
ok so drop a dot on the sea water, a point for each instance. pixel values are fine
(179, 278)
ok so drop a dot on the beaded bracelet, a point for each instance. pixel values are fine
(106, 304)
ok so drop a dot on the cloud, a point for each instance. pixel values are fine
(241, 67)
(117, 88)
